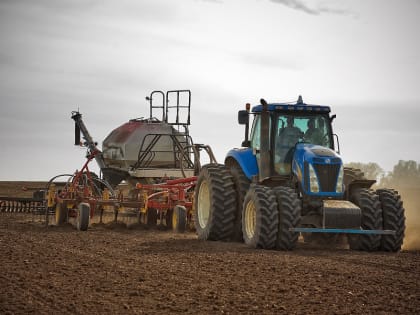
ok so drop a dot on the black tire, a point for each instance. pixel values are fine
(368, 202)
(83, 216)
(393, 219)
(289, 209)
(168, 218)
(151, 217)
(214, 203)
(260, 218)
(179, 219)
(60, 214)
(241, 183)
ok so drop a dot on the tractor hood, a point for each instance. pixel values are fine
(315, 153)
(326, 168)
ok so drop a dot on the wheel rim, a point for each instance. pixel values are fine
(78, 219)
(174, 219)
(250, 219)
(203, 207)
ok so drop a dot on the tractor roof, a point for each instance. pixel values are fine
(299, 106)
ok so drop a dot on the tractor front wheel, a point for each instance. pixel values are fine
(368, 202)
(393, 219)
(260, 218)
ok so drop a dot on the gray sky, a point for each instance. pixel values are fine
(360, 57)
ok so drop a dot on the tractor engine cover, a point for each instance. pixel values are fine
(341, 214)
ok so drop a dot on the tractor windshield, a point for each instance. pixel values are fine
(293, 128)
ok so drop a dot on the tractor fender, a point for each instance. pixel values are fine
(245, 159)
(358, 184)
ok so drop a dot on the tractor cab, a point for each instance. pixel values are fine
(289, 128)
(291, 143)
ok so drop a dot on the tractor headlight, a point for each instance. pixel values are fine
(313, 180)
(339, 186)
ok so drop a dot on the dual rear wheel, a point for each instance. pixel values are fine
(268, 217)
(266, 214)
(381, 210)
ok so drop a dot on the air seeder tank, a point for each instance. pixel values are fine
(149, 147)
(129, 146)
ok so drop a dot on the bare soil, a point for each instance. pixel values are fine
(115, 270)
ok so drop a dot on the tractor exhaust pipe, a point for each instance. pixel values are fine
(265, 156)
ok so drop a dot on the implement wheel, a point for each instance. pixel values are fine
(83, 216)
(168, 218)
(151, 217)
(214, 203)
(179, 219)
(368, 202)
(393, 219)
(60, 214)
(260, 218)
(289, 217)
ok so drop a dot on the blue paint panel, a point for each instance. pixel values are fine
(246, 160)
(306, 153)
(342, 231)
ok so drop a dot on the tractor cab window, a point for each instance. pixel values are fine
(255, 134)
(293, 128)
(256, 137)
(316, 131)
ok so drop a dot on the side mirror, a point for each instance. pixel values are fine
(246, 144)
(332, 118)
(243, 117)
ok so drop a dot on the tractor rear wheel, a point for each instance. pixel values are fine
(83, 216)
(260, 218)
(289, 210)
(60, 214)
(368, 202)
(179, 219)
(241, 187)
(214, 203)
(393, 219)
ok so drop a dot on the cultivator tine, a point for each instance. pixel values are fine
(23, 205)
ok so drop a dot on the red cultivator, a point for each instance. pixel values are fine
(85, 196)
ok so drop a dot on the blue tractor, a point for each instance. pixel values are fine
(287, 180)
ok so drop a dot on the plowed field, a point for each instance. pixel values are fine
(114, 270)
(111, 269)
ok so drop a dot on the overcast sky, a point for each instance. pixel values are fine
(103, 57)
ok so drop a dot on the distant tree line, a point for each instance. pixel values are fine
(404, 173)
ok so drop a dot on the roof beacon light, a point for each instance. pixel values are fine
(300, 100)
(247, 107)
